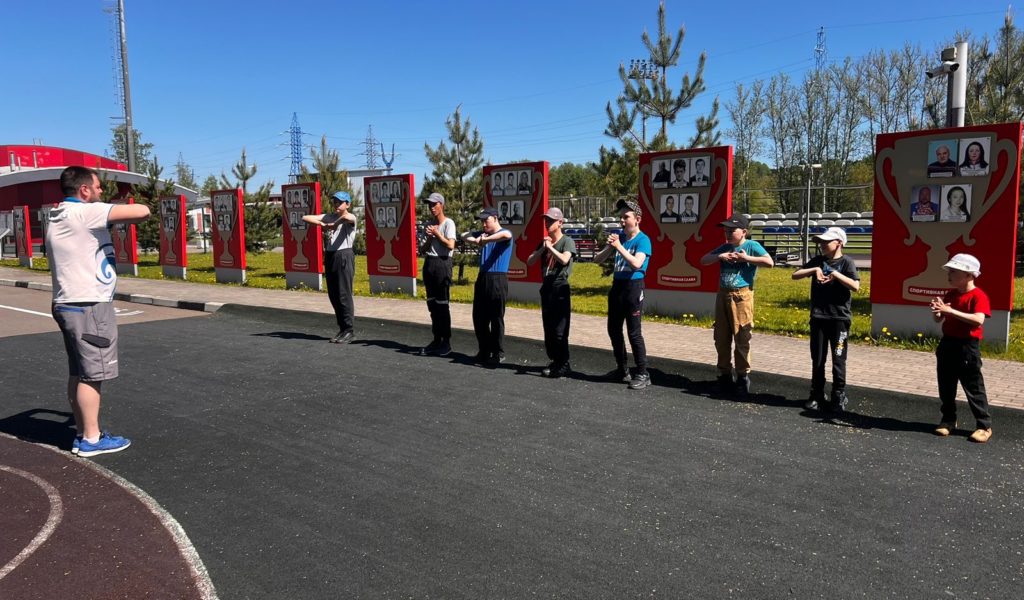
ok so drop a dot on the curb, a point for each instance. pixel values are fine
(210, 307)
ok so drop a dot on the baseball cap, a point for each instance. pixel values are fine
(342, 197)
(555, 214)
(435, 198)
(832, 233)
(487, 212)
(630, 205)
(736, 221)
(964, 262)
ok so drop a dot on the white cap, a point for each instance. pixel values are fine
(832, 233)
(964, 262)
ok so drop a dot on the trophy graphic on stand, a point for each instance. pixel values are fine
(224, 212)
(893, 164)
(120, 235)
(678, 272)
(531, 200)
(296, 206)
(388, 263)
(169, 214)
(19, 232)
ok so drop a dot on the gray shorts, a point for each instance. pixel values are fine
(90, 338)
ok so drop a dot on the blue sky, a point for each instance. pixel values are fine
(534, 77)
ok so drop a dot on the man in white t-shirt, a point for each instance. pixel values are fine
(81, 257)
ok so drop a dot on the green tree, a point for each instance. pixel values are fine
(119, 148)
(262, 219)
(333, 179)
(149, 193)
(456, 171)
(654, 97)
(210, 184)
(185, 175)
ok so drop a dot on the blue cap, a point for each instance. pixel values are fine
(342, 197)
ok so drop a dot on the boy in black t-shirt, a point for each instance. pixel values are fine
(834, 279)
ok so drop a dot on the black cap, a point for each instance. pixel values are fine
(736, 221)
(630, 205)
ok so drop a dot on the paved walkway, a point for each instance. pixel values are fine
(903, 371)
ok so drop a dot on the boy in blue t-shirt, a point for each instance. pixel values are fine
(734, 306)
(491, 290)
(626, 299)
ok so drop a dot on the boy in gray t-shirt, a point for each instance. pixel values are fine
(437, 276)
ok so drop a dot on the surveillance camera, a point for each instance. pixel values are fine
(945, 68)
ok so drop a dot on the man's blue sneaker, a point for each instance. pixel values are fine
(105, 445)
(76, 444)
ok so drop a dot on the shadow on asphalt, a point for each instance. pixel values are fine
(42, 426)
(292, 335)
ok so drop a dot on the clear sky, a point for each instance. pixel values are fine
(210, 76)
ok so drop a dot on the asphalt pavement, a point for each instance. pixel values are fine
(302, 469)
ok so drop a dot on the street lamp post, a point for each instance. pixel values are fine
(805, 212)
(642, 70)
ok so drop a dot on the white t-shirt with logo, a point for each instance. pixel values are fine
(80, 252)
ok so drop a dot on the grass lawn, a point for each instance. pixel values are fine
(782, 304)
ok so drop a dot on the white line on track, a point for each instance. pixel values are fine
(25, 310)
(56, 514)
(118, 311)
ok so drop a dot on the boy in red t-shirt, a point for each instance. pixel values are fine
(962, 312)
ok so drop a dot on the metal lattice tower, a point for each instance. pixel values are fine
(820, 51)
(296, 149)
(371, 149)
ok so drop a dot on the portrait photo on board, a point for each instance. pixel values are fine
(524, 188)
(497, 184)
(392, 220)
(925, 206)
(956, 204)
(974, 153)
(680, 173)
(503, 212)
(517, 213)
(700, 169)
(662, 174)
(396, 192)
(510, 183)
(689, 208)
(669, 209)
(942, 158)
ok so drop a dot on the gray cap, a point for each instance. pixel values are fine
(555, 214)
(435, 198)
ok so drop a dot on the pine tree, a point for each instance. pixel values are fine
(333, 179)
(149, 193)
(119, 148)
(185, 175)
(456, 168)
(655, 97)
(262, 220)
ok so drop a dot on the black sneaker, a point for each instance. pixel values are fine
(555, 370)
(724, 384)
(430, 348)
(640, 381)
(445, 348)
(618, 375)
(838, 403)
(815, 401)
(346, 338)
(337, 338)
(496, 359)
(743, 385)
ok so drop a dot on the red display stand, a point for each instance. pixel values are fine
(391, 234)
(684, 194)
(228, 235)
(520, 193)
(22, 236)
(124, 236)
(173, 235)
(932, 201)
(303, 248)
